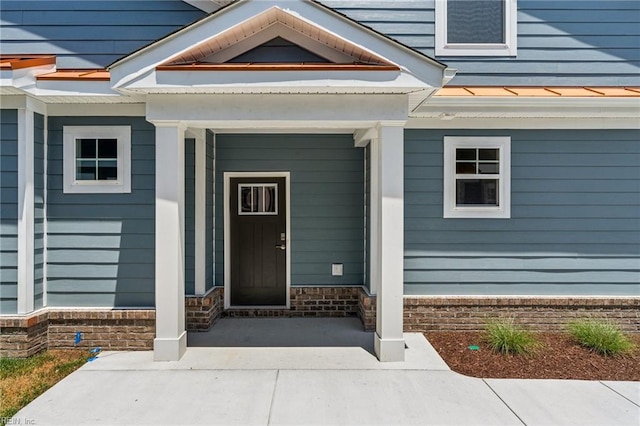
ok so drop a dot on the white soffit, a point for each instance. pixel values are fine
(311, 17)
(268, 25)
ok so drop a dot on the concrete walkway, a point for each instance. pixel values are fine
(326, 384)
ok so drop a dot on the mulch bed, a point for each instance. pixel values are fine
(558, 358)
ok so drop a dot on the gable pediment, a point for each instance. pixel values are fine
(278, 40)
(276, 36)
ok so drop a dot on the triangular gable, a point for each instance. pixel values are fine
(276, 23)
(212, 43)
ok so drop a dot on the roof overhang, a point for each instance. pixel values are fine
(389, 67)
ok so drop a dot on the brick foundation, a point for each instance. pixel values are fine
(540, 314)
(110, 329)
(134, 329)
(203, 311)
(367, 310)
(311, 302)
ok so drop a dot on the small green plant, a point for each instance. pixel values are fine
(507, 338)
(600, 336)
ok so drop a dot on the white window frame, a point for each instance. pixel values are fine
(508, 48)
(123, 182)
(503, 144)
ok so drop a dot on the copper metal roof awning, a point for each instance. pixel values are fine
(16, 62)
(277, 67)
(547, 92)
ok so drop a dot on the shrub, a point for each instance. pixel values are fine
(600, 336)
(507, 338)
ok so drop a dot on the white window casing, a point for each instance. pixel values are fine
(450, 207)
(445, 48)
(122, 183)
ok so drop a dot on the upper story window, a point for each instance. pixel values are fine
(477, 181)
(476, 28)
(97, 159)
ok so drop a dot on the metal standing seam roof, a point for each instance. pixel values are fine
(545, 92)
(25, 61)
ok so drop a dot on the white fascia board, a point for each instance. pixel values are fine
(528, 107)
(139, 64)
(205, 5)
(213, 81)
(534, 123)
(74, 88)
(271, 107)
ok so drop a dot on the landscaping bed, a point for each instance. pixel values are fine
(557, 357)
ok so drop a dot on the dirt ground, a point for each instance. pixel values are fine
(558, 358)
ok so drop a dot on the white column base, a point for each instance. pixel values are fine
(167, 349)
(389, 350)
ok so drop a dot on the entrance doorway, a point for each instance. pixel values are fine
(257, 257)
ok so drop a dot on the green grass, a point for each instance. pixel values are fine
(505, 337)
(24, 379)
(600, 336)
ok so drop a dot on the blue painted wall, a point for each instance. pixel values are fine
(101, 247)
(8, 211)
(189, 215)
(574, 227)
(209, 203)
(88, 33)
(327, 199)
(38, 171)
(561, 42)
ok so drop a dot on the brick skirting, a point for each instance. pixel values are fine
(110, 329)
(203, 311)
(422, 313)
(311, 302)
(134, 329)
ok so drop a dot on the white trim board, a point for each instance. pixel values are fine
(227, 232)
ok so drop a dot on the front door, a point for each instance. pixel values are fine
(258, 241)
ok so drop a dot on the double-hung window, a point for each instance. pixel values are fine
(97, 159)
(476, 28)
(477, 177)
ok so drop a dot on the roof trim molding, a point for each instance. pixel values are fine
(142, 63)
(208, 6)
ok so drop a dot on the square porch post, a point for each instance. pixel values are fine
(171, 337)
(388, 202)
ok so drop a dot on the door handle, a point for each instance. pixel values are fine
(282, 246)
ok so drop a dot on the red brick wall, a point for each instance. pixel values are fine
(537, 313)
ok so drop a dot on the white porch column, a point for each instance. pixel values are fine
(171, 337)
(389, 204)
(26, 225)
(200, 212)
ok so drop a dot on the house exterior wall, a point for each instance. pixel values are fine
(189, 215)
(8, 211)
(563, 42)
(89, 34)
(327, 199)
(39, 208)
(101, 247)
(559, 42)
(574, 226)
(209, 210)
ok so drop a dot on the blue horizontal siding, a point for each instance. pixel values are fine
(85, 34)
(38, 189)
(574, 227)
(100, 247)
(327, 200)
(190, 219)
(8, 211)
(561, 42)
(209, 211)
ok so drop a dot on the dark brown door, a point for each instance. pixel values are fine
(258, 242)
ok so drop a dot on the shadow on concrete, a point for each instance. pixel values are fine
(284, 332)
